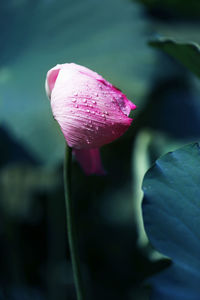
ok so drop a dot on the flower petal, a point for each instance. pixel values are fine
(51, 79)
(91, 112)
(90, 161)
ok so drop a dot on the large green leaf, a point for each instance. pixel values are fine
(171, 206)
(186, 53)
(175, 283)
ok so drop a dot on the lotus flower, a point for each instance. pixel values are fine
(91, 112)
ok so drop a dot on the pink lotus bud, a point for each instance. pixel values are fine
(90, 111)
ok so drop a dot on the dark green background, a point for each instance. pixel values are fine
(110, 37)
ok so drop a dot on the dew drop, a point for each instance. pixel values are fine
(106, 112)
(76, 105)
(103, 115)
(84, 100)
(88, 110)
(96, 94)
(75, 94)
(93, 101)
(93, 112)
(73, 100)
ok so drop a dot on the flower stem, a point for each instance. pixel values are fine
(71, 230)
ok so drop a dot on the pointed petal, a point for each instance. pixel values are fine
(90, 161)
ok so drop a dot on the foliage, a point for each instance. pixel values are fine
(186, 53)
(171, 215)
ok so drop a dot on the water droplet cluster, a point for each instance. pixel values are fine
(97, 114)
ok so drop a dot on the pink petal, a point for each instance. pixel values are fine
(90, 161)
(83, 70)
(51, 79)
(91, 111)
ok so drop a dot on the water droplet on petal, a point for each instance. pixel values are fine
(75, 94)
(88, 110)
(76, 105)
(93, 101)
(96, 94)
(106, 112)
(103, 115)
(84, 100)
(73, 100)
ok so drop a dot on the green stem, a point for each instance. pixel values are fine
(71, 230)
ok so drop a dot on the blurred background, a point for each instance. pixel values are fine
(110, 37)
